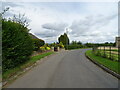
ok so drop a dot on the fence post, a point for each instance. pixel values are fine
(100, 51)
(97, 50)
(104, 52)
(110, 53)
(93, 48)
(119, 54)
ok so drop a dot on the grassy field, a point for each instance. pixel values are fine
(30, 62)
(112, 65)
(113, 50)
(112, 56)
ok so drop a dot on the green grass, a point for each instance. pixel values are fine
(113, 56)
(112, 50)
(32, 60)
(112, 65)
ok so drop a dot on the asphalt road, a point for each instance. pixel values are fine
(67, 69)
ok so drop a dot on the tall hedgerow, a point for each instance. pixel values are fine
(17, 45)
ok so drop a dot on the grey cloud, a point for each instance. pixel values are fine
(54, 26)
(104, 20)
(52, 29)
(79, 27)
(84, 27)
(10, 4)
(87, 30)
(48, 33)
(10, 12)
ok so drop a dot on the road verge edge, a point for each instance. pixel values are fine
(103, 67)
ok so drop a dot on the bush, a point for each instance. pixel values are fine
(48, 48)
(17, 45)
(42, 49)
(61, 45)
(38, 43)
(73, 46)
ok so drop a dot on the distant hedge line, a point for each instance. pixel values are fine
(17, 45)
(69, 47)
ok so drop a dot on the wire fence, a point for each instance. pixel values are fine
(112, 53)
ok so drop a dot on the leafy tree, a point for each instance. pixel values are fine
(64, 39)
(17, 45)
(79, 43)
(89, 44)
(20, 19)
(38, 43)
(4, 11)
(74, 43)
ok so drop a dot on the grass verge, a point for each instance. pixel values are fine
(30, 62)
(112, 65)
(112, 56)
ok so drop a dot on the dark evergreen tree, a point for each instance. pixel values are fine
(64, 39)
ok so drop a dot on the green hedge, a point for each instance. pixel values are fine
(69, 47)
(38, 43)
(17, 45)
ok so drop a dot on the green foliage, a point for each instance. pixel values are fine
(17, 45)
(99, 44)
(89, 44)
(61, 45)
(76, 43)
(69, 47)
(52, 44)
(47, 48)
(113, 65)
(38, 43)
(42, 49)
(64, 39)
(32, 60)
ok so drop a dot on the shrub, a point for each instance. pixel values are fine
(42, 49)
(61, 45)
(73, 46)
(17, 45)
(48, 48)
(38, 43)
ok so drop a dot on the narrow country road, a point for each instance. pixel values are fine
(67, 69)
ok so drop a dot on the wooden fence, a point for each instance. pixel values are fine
(109, 52)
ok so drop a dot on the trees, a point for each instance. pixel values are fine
(75, 45)
(73, 42)
(38, 43)
(17, 45)
(79, 43)
(64, 39)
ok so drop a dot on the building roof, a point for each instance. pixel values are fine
(34, 37)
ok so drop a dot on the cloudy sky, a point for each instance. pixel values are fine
(85, 21)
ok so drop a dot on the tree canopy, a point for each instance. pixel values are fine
(64, 39)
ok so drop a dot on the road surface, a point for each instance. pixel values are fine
(67, 69)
